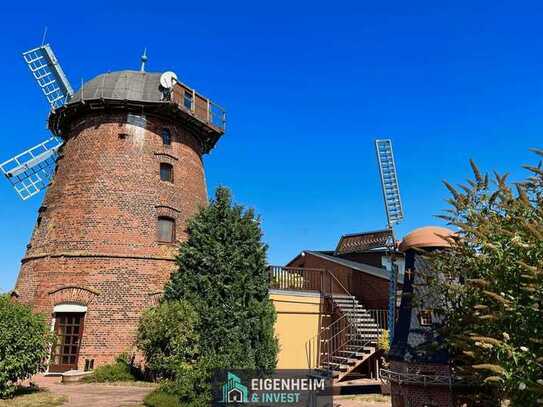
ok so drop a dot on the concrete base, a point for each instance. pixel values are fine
(52, 374)
(74, 376)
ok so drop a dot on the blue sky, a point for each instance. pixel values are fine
(308, 87)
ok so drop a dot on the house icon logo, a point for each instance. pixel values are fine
(233, 391)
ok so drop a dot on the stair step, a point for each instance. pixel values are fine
(340, 296)
(365, 349)
(362, 335)
(352, 353)
(358, 314)
(336, 366)
(321, 373)
(347, 305)
(344, 360)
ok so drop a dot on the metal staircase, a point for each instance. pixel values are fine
(349, 334)
(350, 340)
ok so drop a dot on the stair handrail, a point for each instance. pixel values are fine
(330, 294)
(331, 345)
(339, 282)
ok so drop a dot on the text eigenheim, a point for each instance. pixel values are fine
(287, 384)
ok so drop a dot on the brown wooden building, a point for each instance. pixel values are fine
(353, 282)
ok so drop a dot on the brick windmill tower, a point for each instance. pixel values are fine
(125, 173)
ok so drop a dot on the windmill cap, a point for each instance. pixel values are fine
(427, 236)
(135, 86)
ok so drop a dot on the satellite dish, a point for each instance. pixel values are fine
(168, 79)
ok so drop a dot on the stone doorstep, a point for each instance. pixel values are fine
(74, 376)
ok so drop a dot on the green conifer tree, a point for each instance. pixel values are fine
(222, 274)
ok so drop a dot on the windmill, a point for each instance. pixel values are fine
(394, 212)
(32, 170)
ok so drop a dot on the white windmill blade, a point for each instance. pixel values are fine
(32, 170)
(48, 73)
(389, 181)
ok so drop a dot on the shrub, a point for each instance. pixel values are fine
(24, 344)
(122, 370)
(490, 291)
(192, 383)
(383, 342)
(167, 337)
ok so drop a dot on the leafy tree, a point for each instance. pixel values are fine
(24, 344)
(490, 293)
(222, 274)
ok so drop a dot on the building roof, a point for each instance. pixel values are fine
(365, 268)
(428, 236)
(121, 85)
(140, 93)
(365, 241)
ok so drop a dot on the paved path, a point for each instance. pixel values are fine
(95, 394)
(112, 395)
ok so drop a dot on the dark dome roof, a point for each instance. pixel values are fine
(121, 85)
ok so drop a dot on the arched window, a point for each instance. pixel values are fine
(166, 136)
(166, 172)
(166, 229)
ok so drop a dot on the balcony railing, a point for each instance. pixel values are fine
(199, 106)
(293, 278)
(304, 279)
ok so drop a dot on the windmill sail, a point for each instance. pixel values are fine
(389, 181)
(32, 170)
(48, 73)
(394, 210)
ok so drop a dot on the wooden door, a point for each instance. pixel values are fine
(69, 331)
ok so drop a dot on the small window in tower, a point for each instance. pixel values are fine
(166, 230)
(136, 120)
(425, 317)
(166, 136)
(187, 100)
(166, 172)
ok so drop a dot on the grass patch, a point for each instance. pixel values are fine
(33, 397)
(161, 399)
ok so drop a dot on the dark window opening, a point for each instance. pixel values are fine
(166, 172)
(166, 230)
(187, 100)
(166, 137)
(425, 318)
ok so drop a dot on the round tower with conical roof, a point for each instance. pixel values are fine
(128, 176)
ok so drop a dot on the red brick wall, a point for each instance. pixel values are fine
(418, 395)
(95, 242)
(371, 291)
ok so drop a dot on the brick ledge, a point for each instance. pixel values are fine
(96, 255)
